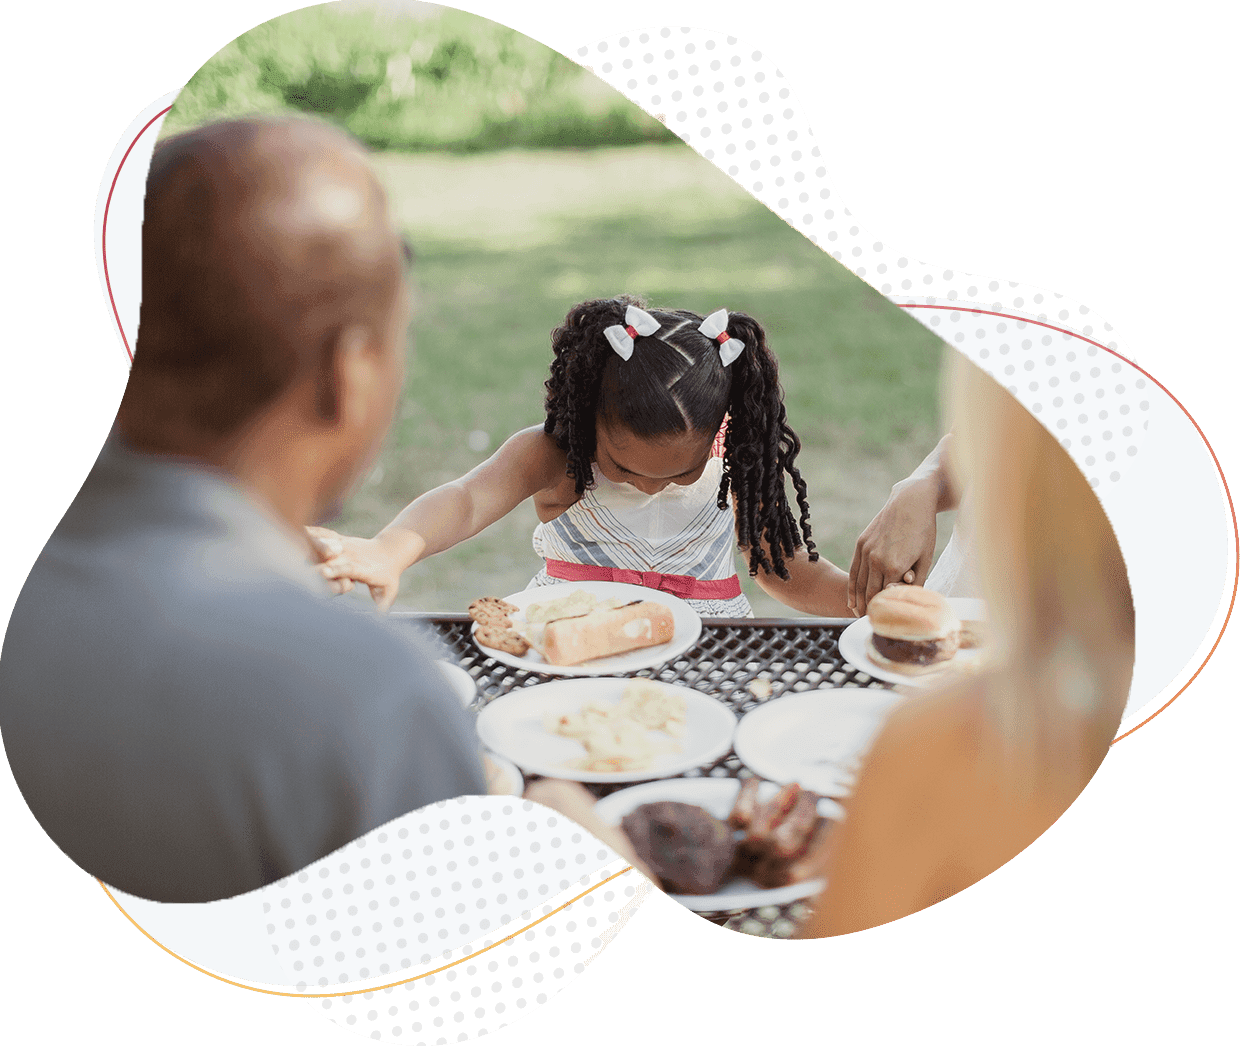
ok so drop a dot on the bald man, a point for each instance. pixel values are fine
(187, 713)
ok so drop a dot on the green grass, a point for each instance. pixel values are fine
(860, 376)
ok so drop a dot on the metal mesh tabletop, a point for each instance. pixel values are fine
(787, 654)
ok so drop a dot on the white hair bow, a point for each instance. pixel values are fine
(715, 327)
(637, 322)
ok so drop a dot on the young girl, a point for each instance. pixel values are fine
(632, 471)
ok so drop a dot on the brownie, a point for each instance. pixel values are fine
(689, 850)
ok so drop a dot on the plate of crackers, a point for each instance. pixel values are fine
(607, 730)
(584, 628)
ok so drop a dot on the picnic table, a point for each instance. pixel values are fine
(790, 654)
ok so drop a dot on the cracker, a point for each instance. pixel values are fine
(491, 610)
(500, 639)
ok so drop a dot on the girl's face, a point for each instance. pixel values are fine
(650, 465)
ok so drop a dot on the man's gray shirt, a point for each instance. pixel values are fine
(186, 711)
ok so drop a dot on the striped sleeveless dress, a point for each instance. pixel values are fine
(678, 532)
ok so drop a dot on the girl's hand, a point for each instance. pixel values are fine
(347, 560)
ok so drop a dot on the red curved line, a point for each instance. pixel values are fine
(107, 279)
(1236, 532)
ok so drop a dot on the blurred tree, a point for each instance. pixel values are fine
(440, 79)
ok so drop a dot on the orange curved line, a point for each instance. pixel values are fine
(1236, 561)
(357, 992)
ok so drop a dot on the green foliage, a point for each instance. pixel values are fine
(440, 80)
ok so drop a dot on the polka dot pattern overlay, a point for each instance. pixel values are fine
(495, 984)
(1095, 403)
(428, 882)
(729, 102)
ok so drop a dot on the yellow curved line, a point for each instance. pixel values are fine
(357, 992)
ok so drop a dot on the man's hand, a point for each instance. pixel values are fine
(347, 560)
(898, 545)
(578, 805)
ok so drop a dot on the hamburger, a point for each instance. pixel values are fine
(913, 630)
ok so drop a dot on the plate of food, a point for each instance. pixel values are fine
(914, 636)
(461, 682)
(607, 730)
(814, 738)
(584, 628)
(724, 843)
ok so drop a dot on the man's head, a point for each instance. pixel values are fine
(271, 332)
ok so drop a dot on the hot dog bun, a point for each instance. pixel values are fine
(601, 634)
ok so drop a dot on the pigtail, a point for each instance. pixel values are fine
(580, 352)
(759, 448)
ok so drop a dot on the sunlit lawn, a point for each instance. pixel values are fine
(506, 243)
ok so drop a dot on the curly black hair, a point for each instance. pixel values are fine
(674, 383)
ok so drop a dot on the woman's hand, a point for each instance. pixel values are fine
(347, 560)
(899, 544)
(578, 805)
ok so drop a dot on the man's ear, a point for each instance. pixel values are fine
(347, 383)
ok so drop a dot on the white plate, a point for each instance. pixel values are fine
(716, 796)
(512, 726)
(853, 647)
(686, 624)
(814, 738)
(461, 682)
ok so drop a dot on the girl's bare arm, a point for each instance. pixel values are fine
(527, 463)
(818, 587)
